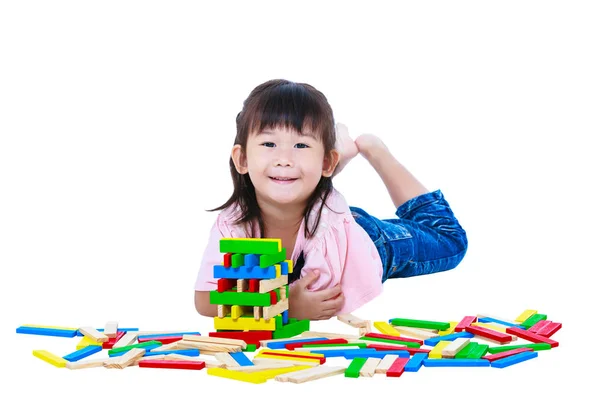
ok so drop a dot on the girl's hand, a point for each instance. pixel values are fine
(318, 305)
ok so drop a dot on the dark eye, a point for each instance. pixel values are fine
(302, 146)
(268, 144)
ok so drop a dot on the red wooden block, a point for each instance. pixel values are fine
(538, 325)
(227, 259)
(490, 334)
(550, 329)
(390, 337)
(111, 341)
(273, 297)
(315, 357)
(503, 354)
(532, 337)
(162, 339)
(397, 367)
(411, 350)
(250, 337)
(292, 346)
(253, 286)
(224, 284)
(466, 321)
(175, 364)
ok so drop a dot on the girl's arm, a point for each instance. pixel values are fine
(203, 306)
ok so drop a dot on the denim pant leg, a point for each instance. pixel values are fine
(424, 239)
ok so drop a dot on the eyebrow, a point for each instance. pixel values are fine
(311, 134)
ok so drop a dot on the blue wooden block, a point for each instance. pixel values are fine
(486, 319)
(118, 330)
(183, 352)
(334, 352)
(284, 317)
(434, 340)
(281, 345)
(241, 359)
(244, 272)
(455, 362)
(82, 353)
(47, 331)
(284, 268)
(251, 261)
(514, 359)
(350, 354)
(415, 362)
(166, 335)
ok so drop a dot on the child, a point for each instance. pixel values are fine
(285, 154)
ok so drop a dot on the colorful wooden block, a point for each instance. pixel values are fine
(292, 328)
(503, 354)
(454, 347)
(283, 343)
(250, 245)
(172, 364)
(455, 362)
(240, 299)
(46, 331)
(466, 350)
(532, 337)
(241, 359)
(514, 359)
(448, 338)
(393, 338)
(450, 330)
(236, 375)
(244, 272)
(397, 367)
(478, 351)
(416, 323)
(353, 370)
(531, 346)
(50, 358)
(245, 323)
(549, 329)
(80, 354)
(490, 334)
(524, 315)
(535, 318)
(466, 321)
(415, 362)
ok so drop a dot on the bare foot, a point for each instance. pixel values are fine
(345, 146)
(370, 145)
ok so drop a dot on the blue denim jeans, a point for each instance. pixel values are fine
(424, 239)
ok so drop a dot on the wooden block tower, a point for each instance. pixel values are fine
(252, 292)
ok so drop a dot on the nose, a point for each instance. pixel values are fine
(283, 158)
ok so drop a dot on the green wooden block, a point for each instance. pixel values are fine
(124, 349)
(231, 245)
(479, 351)
(277, 295)
(240, 298)
(532, 346)
(353, 370)
(360, 345)
(413, 345)
(465, 351)
(237, 260)
(534, 319)
(250, 347)
(278, 322)
(417, 323)
(292, 328)
(287, 291)
(271, 259)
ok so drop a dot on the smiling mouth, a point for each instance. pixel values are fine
(282, 180)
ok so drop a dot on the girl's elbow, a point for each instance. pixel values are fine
(203, 306)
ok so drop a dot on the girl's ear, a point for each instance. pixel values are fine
(330, 162)
(239, 159)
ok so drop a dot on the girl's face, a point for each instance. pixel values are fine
(284, 166)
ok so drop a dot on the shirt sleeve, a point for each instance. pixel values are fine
(345, 254)
(212, 256)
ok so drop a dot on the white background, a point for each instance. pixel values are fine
(116, 122)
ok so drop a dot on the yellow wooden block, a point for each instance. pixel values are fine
(277, 270)
(385, 328)
(290, 264)
(525, 314)
(50, 358)
(87, 341)
(490, 326)
(290, 353)
(51, 327)
(315, 361)
(272, 373)
(236, 312)
(237, 375)
(449, 330)
(436, 352)
(244, 324)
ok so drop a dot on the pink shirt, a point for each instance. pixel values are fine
(340, 249)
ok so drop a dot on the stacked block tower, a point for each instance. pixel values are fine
(252, 292)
